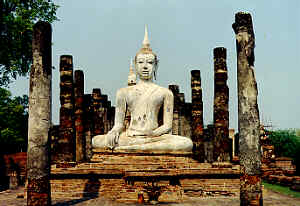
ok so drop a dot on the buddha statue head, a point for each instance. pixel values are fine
(146, 62)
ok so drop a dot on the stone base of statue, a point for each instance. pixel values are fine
(144, 176)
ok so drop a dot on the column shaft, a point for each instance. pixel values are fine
(88, 125)
(79, 93)
(97, 112)
(38, 154)
(222, 143)
(248, 114)
(66, 151)
(197, 115)
(176, 115)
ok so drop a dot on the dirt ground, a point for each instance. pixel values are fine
(16, 198)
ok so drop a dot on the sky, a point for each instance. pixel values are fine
(102, 37)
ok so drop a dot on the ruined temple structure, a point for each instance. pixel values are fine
(81, 169)
(81, 116)
(221, 164)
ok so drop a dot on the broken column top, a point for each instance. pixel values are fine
(66, 63)
(181, 96)
(195, 73)
(220, 52)
(104, 97)
(44, 25)
(66, 56)
(243, 21)
(78, 72)
(44, 29)
(97, 91)
(174, 88)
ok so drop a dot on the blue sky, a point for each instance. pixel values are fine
(102, 36)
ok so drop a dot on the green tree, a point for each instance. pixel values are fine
(17, 18)
(286, 144)
(13, 122)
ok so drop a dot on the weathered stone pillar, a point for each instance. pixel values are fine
(181, 114)
(66, 125)
(222, 143)
(176, 115)
(187, 120)
(79, 127)
(38, 153)
(209, 134)
(197, 115)
(97, 114)
(54, 136)
(248, 114)
(112, 116)
(105, 118)
(109, 117)
(88, 125)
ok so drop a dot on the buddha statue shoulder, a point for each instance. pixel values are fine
(143, 100)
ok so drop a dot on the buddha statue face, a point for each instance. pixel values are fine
(145, 66)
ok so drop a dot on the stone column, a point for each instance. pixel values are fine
(105, 119)
(54, 136)
(187, 119)
(181, 99)
(109, 117)
(38, 153)
(78, 93)
(112, 114)
(88, 125)
(175, 124)
(222, 143)
(209, 134)
(97, 114)
(197, 115)
(248, 114)
(66, 130)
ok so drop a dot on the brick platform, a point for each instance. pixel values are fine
(123, 176)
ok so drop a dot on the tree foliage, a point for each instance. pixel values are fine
(17, 18)
(287, 144)
(13, 122)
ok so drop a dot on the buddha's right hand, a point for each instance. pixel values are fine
(112, 139)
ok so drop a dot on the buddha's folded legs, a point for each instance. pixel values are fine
(164, 142)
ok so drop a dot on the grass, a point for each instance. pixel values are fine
(281, 189)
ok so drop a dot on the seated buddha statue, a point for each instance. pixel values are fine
(143, 100)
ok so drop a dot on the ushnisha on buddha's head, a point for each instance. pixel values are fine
(146, 61)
